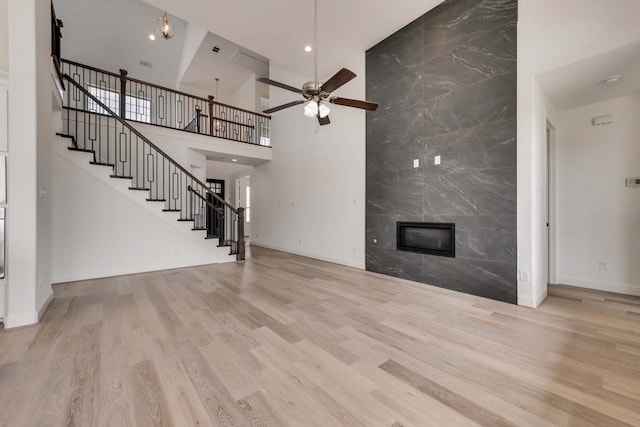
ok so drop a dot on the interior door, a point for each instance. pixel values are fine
(215, 217)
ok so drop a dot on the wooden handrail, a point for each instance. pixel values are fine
(211, 205)
(131, 79)
(89, 67)
(208, 100)
(145, 139)
(242, 109)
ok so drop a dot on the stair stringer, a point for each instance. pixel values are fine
(102, 229)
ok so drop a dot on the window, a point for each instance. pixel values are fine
(138, 109)
(108, 97)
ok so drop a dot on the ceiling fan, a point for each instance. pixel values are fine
(316, 95)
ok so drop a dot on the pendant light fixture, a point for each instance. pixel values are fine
(165, 27)
(316, 107)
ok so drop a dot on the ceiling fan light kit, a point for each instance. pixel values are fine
(317, 95)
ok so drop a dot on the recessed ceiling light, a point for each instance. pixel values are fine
(612, 79)
(234, 160)
(308, 49)
(152, 37)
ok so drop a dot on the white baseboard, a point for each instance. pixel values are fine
(348, 263)
(533, 302)
(45, 306)
(618, 288)
(22, 320)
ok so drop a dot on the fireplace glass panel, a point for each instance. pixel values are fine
(427, 238)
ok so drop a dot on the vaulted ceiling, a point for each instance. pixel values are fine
(280, 29)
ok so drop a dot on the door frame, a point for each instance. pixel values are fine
(551, 202)
(212, 216)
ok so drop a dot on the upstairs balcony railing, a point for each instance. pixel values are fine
(145, 102)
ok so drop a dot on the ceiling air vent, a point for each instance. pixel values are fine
(145, 63)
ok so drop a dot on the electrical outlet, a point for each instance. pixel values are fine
(300, 241)
(524, 275)
(436, 160)
(603, 266)
(416, 163)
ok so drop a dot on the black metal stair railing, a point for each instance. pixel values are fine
(132, 156)
(145, 102)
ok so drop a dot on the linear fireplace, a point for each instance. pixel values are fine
(433, 238)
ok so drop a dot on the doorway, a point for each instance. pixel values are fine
(215, 217)
(243, 200)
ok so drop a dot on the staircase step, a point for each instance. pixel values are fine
(156, 200)
(211, 237)
(139, 189)
(185, 220)
(82, 150)
(71, 137)
(170, 210)
(121, 177)
(199, 229)
(102, 164)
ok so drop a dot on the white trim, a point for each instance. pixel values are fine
(4, 78)
(526, 301)
(23, 320)
(618, 288)
(348, 263)
(45, 306)
(552, 244)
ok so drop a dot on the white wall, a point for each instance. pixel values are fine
(103, 229)
(4, 35)
(552, 34)
(47, 101)
(310, 198)
(245, 96)
(4, 87)
(22, 167)
(193, 38)
(598, 217)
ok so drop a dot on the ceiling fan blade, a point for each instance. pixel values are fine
(283, 106)
(365, 105)
(323, 120)
(278, 84)
(340, 78)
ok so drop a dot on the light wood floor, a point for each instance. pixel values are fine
(285, 340)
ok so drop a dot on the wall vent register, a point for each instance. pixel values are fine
(427, 238)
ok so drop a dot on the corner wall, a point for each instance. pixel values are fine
(446, 85)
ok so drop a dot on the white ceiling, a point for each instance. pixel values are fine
(231, 65)
(114, 34)
(580, 83)
(280, 29)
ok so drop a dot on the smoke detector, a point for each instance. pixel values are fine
(612, 79)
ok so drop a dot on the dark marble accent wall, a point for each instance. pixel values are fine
(446, 84)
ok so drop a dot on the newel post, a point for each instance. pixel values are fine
(241, 246)
(123, 93)
(210, 115)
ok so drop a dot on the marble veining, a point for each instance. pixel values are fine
(446, 85)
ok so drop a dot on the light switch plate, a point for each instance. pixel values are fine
(416, 163)
(436, 160)
(633, 182)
